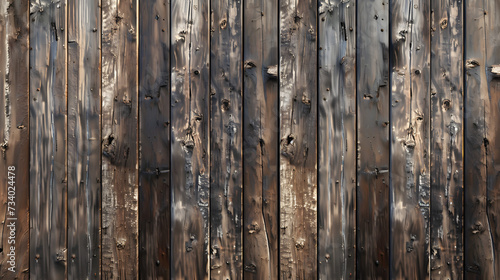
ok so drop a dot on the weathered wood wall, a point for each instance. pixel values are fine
(249, 139)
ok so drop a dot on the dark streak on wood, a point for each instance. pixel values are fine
(337, 140)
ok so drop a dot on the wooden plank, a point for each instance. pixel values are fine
(373, 98)
(260, 139)
(410, 124)
(48, 140)
(446, 140)
(298, 133)
(154, 110)
(84, 134)
(14, 140)
(226, 138)
(119, 140)
(482, 54)
(190, 138)
(337, 140)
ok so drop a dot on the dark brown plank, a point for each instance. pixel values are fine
(84, 135)
(446, 140)
(373, 139)
(260, 139)
(154, 110)
(190, 138)
(48, 140)
(14, 139)
(482, 136)
(410, 124)
(119, 140)
(298, 133)
(337, 140)
(225, 139)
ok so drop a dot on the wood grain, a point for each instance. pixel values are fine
(119, 140)
(482, 135)
(298, 133)
(260, 139)
(154, 116)
(373, 98)
(410, 124)
(337, 140)
(190, 138)
(84, 134)
(48, 140)
(14, 139)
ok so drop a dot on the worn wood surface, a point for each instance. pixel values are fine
(48, 140)
(14, 139)
(119, 140)
(260, 139)
(298, 133)
(482, 135)
(154, 116)
(337, 140)
(84, 135)
(226, 139)
(190, 138)
(410, 124)
(446, 140)
(373, 122)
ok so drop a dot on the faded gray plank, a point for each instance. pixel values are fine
(337, 140)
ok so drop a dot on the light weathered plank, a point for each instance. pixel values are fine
(298, 133)
(225, 139)
(154, 110)
(446, 140)
(373, 98)
(410, 124)
(337, 140)
(190, 79)
(84, 135)
(260, 139)
(48, 140)
(14, 139)
(119, 140)
(482, 136)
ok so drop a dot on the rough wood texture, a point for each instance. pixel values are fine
(119, 140)
(298, 147)
(337, 140)
(226, 136)
(190, 138)
(260, 140)
(154, 110)
(446, 140)
(482, 136)
(373, 139)
(48, 140)
(410, 124)
(14, 137)
(84, 135)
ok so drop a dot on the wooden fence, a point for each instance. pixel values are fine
(255, 139)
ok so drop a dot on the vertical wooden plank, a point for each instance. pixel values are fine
(48, 140)
(154, 110)
(260, 139)
(373, 98)
(482, 136)
(298, 131)
(337, 140)
(225, 135)
(84, 134)
(410, 124)
(190, 138)
(14, 140)
(446, 140)
(119, 139)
